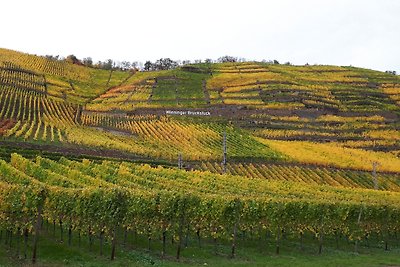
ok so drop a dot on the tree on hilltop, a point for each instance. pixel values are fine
(225, 59)
(165, 64)
(161, 64)
(73, 60)
(108, 65)
(393, 72)
(125, 65)
(88, 61)
(148, 66)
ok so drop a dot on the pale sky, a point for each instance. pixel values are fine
(364, 33)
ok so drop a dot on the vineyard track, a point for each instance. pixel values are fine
(237, 112)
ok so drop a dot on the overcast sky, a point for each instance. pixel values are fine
(363, 33)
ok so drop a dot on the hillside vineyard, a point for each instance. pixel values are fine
(219, 152)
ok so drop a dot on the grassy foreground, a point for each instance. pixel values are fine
(135, 252)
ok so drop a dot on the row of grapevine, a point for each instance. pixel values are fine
(307, 175)
(393, 91)
(57, 78)
(370, 132)
(110, 120)
(170, 136)
(293, 87)
(34, 115)
(44, 65)
(19, 105)
(334, 155)
(160, 202)
(134, 92)
(13, 76)
(36, 130)
(164, 135)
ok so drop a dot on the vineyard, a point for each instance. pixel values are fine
(271, 153)
(304, 114)
(172, 89)
(34, 115)
(74, 83)
(198, 141)
(292, 87)
(103, 199)
(313, 176)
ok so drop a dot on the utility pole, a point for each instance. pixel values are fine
(374, 165)
(180, 163)
(224, 160)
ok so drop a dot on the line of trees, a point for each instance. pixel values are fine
(160, 64)
(393, 72)
(167, 63)
(108, 64)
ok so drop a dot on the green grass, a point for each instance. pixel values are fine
(181, 85)
(52, 252)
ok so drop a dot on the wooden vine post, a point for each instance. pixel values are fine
(41, 198)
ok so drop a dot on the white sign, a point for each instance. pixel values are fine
(187, 113)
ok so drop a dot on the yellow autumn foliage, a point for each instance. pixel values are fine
(334, 155)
